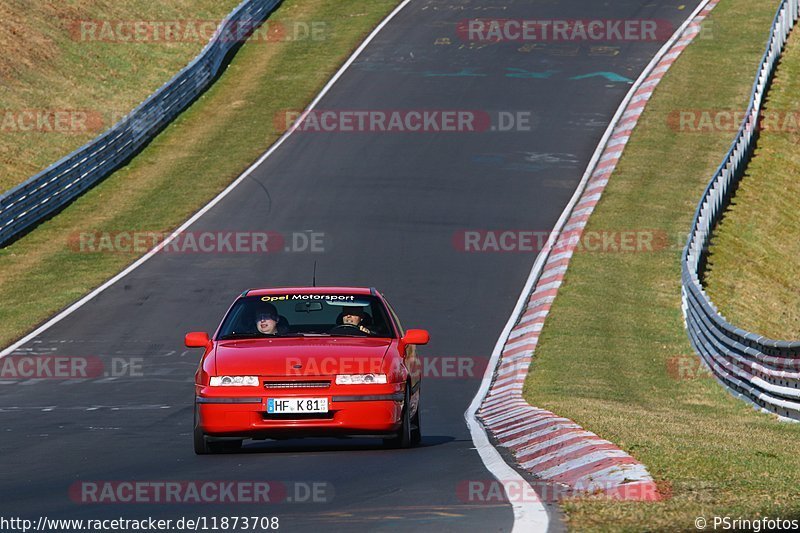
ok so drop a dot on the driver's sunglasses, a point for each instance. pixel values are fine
(264, 317)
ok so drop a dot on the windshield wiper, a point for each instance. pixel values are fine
(232, 336)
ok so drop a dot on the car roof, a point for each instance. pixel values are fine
(310, 290)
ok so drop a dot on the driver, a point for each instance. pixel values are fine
(353, 316)
(267, 319)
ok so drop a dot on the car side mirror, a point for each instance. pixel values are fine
(416, 336)
(196, 339)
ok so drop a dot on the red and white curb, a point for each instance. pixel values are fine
(557, 450)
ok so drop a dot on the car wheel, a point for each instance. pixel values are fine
(201, 444)
(416, 425)
(403, 438)
(229, 445)
(204, 446)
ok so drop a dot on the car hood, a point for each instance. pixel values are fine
(300, 356)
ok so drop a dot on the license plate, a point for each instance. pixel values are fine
(297, 405)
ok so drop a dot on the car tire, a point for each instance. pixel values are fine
(204, 446)
(416, 422)
(403, 438)
(230, 446)
(201, 444)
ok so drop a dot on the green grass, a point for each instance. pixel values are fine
(190, 162)
(711, 452)
(753, 265)
(45, 65)
(608, 350)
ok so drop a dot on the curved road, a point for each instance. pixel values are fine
(388, 206)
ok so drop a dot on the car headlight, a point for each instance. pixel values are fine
(360, 379)
(234, 381)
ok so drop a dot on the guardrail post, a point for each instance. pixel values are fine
(40, 196)
(752, 367)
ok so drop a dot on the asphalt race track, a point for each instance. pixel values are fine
(386, 208)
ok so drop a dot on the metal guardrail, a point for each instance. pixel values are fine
(762, 371)
(50, 190)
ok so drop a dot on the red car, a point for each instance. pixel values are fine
(305, 362)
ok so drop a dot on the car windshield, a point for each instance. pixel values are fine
(293, 315)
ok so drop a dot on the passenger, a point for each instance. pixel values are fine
(267, 319)
(353, 316)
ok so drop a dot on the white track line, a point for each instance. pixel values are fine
(86, 299)
(534, 514)
(528, 516)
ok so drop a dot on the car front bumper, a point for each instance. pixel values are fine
(355, 410)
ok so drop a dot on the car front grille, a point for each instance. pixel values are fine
(297, 384)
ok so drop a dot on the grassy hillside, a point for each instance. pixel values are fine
(186, 165)
(614, 355)
(52, 71)
(754, 270)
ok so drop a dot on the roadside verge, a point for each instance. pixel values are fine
(614, 355)
(566, 458)
(189, 163)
